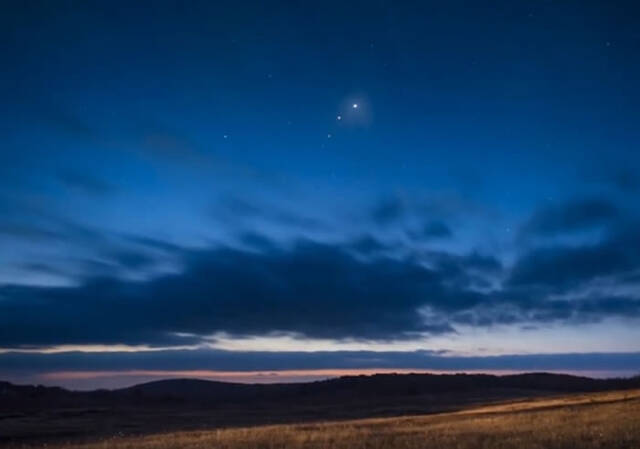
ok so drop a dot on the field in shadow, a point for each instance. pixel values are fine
(594, 420)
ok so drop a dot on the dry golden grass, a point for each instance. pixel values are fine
(602, 420)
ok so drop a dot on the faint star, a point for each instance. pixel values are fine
(225, 136)
(329, 136)
(339, 117)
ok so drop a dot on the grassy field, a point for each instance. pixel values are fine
(601, 420)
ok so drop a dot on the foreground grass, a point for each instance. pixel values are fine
(601, 420)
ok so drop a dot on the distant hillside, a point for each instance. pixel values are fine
(339, 390)
(376, 385)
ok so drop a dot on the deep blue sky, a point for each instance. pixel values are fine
(404, 184)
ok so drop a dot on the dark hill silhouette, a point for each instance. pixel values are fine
(377, 385)
(203, 392)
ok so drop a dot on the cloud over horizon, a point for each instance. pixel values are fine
(367, 289)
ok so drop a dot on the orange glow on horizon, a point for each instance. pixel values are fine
(267, 375)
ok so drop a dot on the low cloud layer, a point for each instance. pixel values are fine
(28, 364)
(363, 289)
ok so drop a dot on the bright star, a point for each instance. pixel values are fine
(339, 117)
(355, 105)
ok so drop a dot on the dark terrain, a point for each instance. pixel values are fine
(33, 414)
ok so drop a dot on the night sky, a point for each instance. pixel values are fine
(282, 191)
